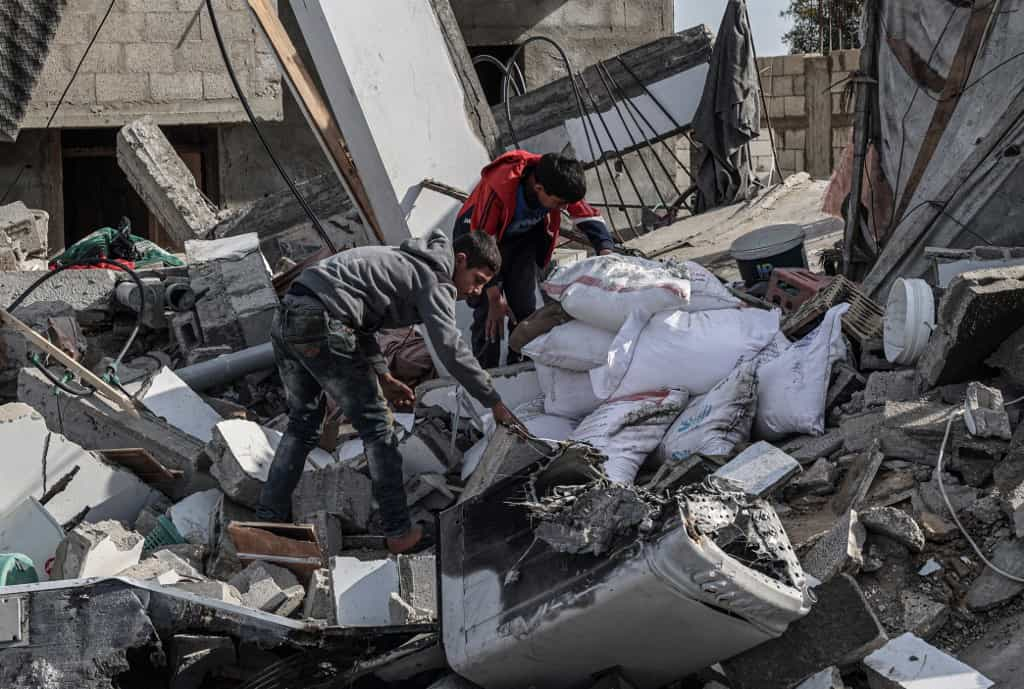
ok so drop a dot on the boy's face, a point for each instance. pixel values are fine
(547, 200)
(470, 282)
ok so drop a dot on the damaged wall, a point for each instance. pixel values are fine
(150, 59)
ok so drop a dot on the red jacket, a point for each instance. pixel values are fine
(493, 203)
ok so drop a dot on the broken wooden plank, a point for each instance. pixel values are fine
(315, 109)
(108, 391)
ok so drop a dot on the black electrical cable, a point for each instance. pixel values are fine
(64, 93)
(259, 133)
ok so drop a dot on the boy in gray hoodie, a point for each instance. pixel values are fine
(323, 339)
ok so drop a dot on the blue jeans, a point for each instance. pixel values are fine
(316, 353)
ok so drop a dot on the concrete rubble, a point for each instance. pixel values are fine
(825, 549)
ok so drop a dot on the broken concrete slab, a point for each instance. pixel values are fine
(93, 424)
(978, 311)
(238, 301)
(194, 555)
(329, 532)
(904, 385)
(1009, 358)
(30, 529)
(856, 483)
(936, 528)
(80, 638)
(223, 562)
(991, 590)
(894, 523)
(96, 550)
(217, 590)
(984, 413)
(44, 318)
(242, 452)
(192, 658)
(922, 615)
(417, 581)
(860, 430)
(167, 396)
(909, 662)
(163, 566)
(89, 293)
(338, 490)
(759, 469)
(362, 590)
(269, 588)
(26, 228)
(839, 630)
(161, 179)
(840, 550)
(192, 515)
(929, 497)
(319, 602)
(808, 448)
(819, 479)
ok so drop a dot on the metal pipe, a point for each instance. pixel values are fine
(227, 368)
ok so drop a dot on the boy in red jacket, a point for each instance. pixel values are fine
(519, 201)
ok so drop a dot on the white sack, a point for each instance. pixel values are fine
(676, 349)
(707, 293)
(714, 424)
(793, 386)
(627, 430)
(604, 290)
(566, 393)
(539, 424)
(574, 346)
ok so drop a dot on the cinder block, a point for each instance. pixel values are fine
(799, 85)
(793, 64)
(171, 27)
(795, 106)
(187, 86)
(131, 28)
(102, 58)
(149, 57)
(796, 139)
(841, 136)
(782, 86)
(133, 88)
(233, 25)
(203, 57)
(217, 87)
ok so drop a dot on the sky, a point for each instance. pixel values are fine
(764, 17)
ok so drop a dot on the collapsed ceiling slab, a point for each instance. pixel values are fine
(400, 82)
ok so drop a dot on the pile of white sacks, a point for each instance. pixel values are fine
(662, 362)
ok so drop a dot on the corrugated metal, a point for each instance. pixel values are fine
(26, 30)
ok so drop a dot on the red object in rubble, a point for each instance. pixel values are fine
(791, 287)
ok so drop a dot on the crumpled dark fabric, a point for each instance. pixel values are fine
(729, 115)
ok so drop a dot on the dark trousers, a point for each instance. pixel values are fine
(519, 266)
(316, 353)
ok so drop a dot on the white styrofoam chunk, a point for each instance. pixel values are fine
(912, 663)
(362, 590)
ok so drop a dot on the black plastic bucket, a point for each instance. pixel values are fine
(760, 252)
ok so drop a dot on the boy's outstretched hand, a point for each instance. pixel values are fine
(504, 416)
(396, 392)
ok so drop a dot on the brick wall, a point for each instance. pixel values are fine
(155, 57)
(812, 122)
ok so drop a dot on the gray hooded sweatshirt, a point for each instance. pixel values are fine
(377, 287)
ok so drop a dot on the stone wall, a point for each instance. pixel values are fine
(811, 117)
(155, 58)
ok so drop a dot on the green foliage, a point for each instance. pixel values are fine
(820, 26)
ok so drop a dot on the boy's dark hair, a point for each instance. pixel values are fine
(481, 251)
(562, 177)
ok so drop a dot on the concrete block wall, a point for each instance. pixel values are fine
(154, 58)
(588, 30)
(812, 119)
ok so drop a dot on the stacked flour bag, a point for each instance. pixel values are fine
(582, 365)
